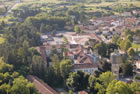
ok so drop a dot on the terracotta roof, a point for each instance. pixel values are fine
(82, 92)
(130, 21)
(78, 50)
(96, 37)
(138, 61)
(42, 87)
(74, 49)
(84, 61)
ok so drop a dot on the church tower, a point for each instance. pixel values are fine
(115, 61)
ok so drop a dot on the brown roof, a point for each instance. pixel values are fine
(85, 65)
(78, 50)
(96, 37)
(42, 87)
(84, 61)
(75, 49)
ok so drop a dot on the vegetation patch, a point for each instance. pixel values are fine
(2, 40)
(135, 45)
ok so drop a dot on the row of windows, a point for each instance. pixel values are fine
(87, 70)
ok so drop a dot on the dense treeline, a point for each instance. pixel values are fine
(11, 82)
(104, 83)
(50, 22)
(3, 10)
(46, 20)
(17, 47)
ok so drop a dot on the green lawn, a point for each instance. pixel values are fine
(135, 45)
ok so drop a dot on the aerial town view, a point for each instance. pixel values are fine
(69, 46)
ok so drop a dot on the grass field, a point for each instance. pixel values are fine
(135, 45)
(40, 1)
(135, 3)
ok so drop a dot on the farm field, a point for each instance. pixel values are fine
(104, 4)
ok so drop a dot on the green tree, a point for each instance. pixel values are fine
(42, 28)
(65, 40)
(3, 24)
(125, 45)
(119, 87)
(130, 38)
(105, 79)
(22, 86)
(77, 29)
(92, 82)
(131, 52)
(56, 64)
(115, 39)
(5, 89)
(65, 67)
(49, 28)
(101, 47)
(38, 65)
(110, 47)
(127, 69)
(110, 89)
(104, 65)
(135, 87)
(12, 83)
(5, 67)
(77, 81)
(15, 75)
(128, 32)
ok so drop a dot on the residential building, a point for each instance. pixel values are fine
(83, 59)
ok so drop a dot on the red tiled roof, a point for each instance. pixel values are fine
(42, 87)
(78, 50)
(96, 37)
(82, 92)
(84, 61)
